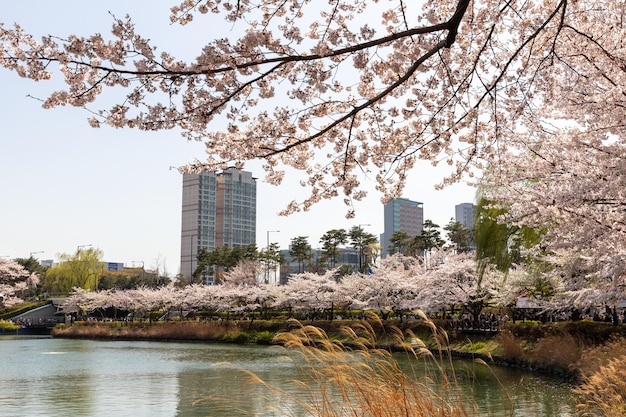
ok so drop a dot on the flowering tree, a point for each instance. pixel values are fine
(309, 291)
(570, 185)
(246, 272)
(365, 87)
(14, 280)
(457, 281)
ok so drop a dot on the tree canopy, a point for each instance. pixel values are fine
(15, 279)
(366, 88)
(81, 269)
(526, 95)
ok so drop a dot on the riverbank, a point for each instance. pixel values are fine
(557, 349)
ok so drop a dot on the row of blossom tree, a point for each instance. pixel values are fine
(526, 95)
(397, 284)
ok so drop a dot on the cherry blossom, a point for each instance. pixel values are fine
(348, 91)
(14, 280)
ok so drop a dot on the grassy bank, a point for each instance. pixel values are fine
(554, 348)
(592, 353)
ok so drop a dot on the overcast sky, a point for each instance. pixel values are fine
(65, 184)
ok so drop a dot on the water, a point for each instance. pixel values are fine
(62, 377)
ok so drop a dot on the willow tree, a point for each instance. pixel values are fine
(498, 241)
(82, 269)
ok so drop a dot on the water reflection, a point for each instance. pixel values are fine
(59, 377)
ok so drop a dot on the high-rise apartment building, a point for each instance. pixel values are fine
(401, 215)
(465, 213)
(218, 209)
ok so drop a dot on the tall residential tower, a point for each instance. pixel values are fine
(401, 215)
(465, 213)
(218, 209)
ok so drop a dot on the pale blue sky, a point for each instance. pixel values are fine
(65, 184)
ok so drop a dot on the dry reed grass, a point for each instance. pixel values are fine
(557, 351)
(510, 345)
(147, 331)
(603, 389)
(358, 377)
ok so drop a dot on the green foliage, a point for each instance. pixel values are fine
(459, 236)
(300, 250)
(428, 239)
(126, 281)
(153, 315)
(81, 269)
(586, 330)
(331, 240)
(475, 347)
(361, 241)
(223, 259)
(499, 243)
(264, 338)
(399, 242)
(237, 337)
(8, 326)
(31, 265)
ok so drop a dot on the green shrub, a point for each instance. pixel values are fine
(236, 337)
(7, 325)
(264, 338)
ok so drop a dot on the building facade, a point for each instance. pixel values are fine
(401, 215)
(218, 209)
(465, 213)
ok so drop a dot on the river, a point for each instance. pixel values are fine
(42, 376)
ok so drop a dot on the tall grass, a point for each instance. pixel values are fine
(362, 379)
(148, 331)
(603, 389)
(557, 351)
(355, 375)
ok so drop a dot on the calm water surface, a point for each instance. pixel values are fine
(61, 377)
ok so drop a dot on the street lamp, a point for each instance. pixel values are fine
(34, 253)
(79, 247)
(267, 268)
(268, 236)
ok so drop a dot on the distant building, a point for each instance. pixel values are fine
(113, 266)
(401, 215)
(465, 213)
(218, 209)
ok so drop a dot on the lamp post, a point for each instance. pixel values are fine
(79, 247)
(267, 252)
(34, 253)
